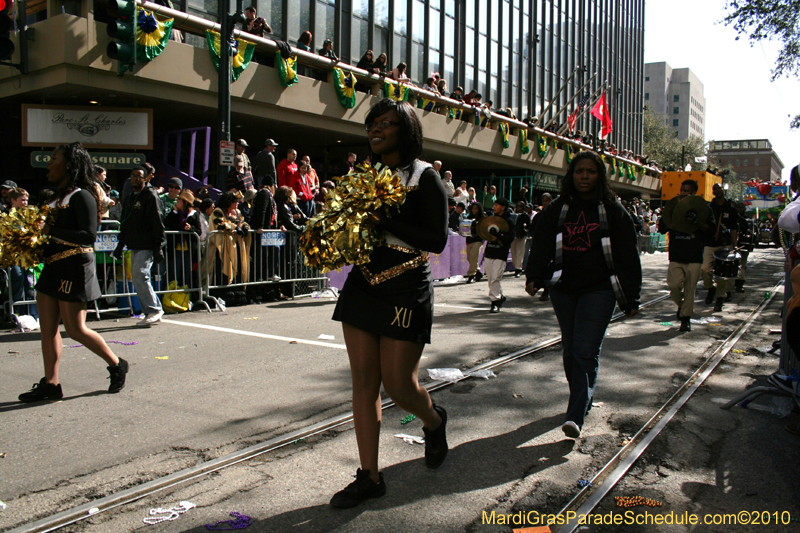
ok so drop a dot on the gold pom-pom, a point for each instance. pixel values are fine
(21, 238)
(345, 232)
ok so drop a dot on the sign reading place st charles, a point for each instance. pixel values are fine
(107, 160)
(94, 127)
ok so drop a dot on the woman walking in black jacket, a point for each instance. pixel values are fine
(586, 251)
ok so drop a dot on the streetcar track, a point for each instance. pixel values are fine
(591, 495)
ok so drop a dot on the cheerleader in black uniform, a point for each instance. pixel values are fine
(386, 306)
(68, 279)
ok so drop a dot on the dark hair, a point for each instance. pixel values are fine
(477, 215)
(226, 199)
(80, 172)
(205, 203)
(290, 150)
(17, 192)
(45, 196)
(794, 178)
(410, 135)
(692, 184)
(602, 191)
(283, 194)
(98, 170)
(305, 38)
(250, 8)
(401, 67)
(142, 168)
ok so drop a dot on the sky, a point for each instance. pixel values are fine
(741, 101)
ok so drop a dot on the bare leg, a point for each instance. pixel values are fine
(74, 316)
(363, 349)
(49, 316)
(400, 368)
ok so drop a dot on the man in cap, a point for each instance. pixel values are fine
(4, 188)
(685, 259)
(266, 174)
(167, 200)
(142, 231)
(456, 216)
(241, 144)
(114, 210)
(746, 236)
(495, 256)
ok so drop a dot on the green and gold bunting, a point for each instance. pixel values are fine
(152, 34)
(569, 152)
(345, 84)
(425, 104)
(524, 147)
(541, 145)
(503, 127)
(287, 69)
(456, 113)
(482, 118)
(239, 62)
(396, 91)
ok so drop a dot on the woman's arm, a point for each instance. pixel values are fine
(84, 205)
(543, 246)
(430, 233)
(625, 251)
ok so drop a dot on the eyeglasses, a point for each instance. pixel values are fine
(173, 187)
(382, 125)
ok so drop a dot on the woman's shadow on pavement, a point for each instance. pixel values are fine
(473, 465)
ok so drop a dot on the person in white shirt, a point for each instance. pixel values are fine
(461, 194)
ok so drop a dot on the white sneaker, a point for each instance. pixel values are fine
(151, 320)
(571, 429)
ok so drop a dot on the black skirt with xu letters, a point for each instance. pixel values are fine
(71, 279)
(391, 296)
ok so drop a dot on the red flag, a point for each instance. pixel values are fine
(600, 111)
(572, 119)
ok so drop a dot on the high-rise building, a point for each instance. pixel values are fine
(752, 159)
(676, 95)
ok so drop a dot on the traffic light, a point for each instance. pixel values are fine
(123, 29)
(6, 25)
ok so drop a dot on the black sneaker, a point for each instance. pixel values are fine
(686, 324)
(363, 488)
(478, 275)
(710, 296)
(436, 441)
(729, 297)
(718, 305)
(42, 391)
(470, 279)
(494, 308)
(517, 273)
(545, 295)
(501, 301)
(117, 376)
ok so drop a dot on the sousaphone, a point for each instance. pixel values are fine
(487, 223)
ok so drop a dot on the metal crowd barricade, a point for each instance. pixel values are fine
(266, 259)
(649, 244)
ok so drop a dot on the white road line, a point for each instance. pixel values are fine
(460, 307)
(254, 334)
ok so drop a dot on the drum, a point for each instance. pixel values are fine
(726, 263)
(465, 227)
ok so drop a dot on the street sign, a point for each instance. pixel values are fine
(273, 238)
(227, 151)
(106, 243)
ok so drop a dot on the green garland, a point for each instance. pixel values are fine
(503, 127)
(541, 145)
(287, 69)
(345, 87)
(524, 146)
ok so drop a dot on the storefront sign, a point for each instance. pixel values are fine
(94, 127)
(108, 160)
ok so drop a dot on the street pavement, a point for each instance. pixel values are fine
(204, 385)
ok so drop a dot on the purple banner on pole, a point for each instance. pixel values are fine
(440, 264)
(459, 265)
(338, 277)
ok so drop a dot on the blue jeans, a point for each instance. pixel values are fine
(141, 264)
(21, 290)
(583, 318)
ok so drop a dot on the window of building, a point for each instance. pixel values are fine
(676, 110)
(676, 98)
(675, 123)
(757, 162)
(647, 78)
(745, 162)
(647, 96)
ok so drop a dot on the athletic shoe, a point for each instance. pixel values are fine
(436, 441)
(571, 429)
(470, 279)
(363, 488)
(117, 376)
(494, 308)
(151, 319)
(478, 275)
(42, 391)
(517, 273)
(729, 297)
(718, 305)
(788, 383)
(501, 301)
(710, 296)
(686, 324)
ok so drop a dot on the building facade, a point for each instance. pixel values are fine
(676, 95)
(750, 159)
(529, 56)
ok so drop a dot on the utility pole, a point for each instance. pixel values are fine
(227, 24)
